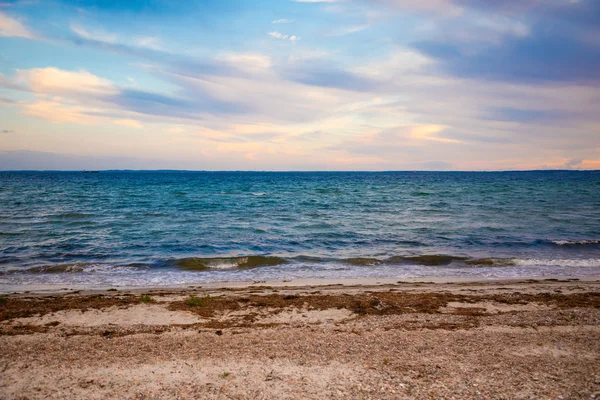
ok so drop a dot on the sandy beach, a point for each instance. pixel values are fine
(500, 340)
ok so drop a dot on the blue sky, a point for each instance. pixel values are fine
(300, 85)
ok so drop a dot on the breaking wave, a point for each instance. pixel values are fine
(78, 268)
(533, 262)
(200, 264)
(584, 242)
(203, 264)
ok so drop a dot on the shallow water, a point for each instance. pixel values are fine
(175, 227)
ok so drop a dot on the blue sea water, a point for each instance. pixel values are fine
(167, 228)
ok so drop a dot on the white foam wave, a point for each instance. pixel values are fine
(224, 264)
(541, 262)
(114, 269)
(575, 242)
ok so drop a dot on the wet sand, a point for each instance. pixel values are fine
(519, 339)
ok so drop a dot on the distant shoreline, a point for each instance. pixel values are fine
(304, 171)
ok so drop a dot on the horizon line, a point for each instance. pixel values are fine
(297, 171)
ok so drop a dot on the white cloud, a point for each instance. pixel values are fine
(504, 26)
(283, 36)
(56, 111)
(130, 123)
(348, 30)
(94, 35)
(100, 35)
(318, 1)
(57, 81)
(149, 42)
(176, 129)
(306, 55)
(246, 61)
(443, 7)
(401, 61)
(282, 21)
(278, 35)
(11, 27)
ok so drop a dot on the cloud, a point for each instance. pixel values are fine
(430, 133)
(530, 44)
(279, 35)
(11, 27)
(540, 58)
(326, 75)
(391, 142)
(130, 123)
(5, 101)
(411, 135)
(318, 1)
(459, 8)
(522, 115)
(503, 25)
(246, 61)
(100, 38)
(262, 95)
(442, 7)
(512, 7)
(56, 81)
(176, 129)
(135, 50)
(282, 21)
(573, 163)
(349, 30)
(84, 98)
(95, 35)
(190, 107)
(56, 111)
(309, 136)
(150, 42)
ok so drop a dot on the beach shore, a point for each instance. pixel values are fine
(497, 339)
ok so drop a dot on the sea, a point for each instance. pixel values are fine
(112, 229)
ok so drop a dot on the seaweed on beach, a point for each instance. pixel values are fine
(373, 303)
(589, 299)
(16, 307)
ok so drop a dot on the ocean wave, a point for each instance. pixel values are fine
(575, 263)
(78, 268)
(435, 261)
(328, 190)
(533, 262)
(490, 262)
(430, 260)
(72, 215)
(583, 242)
(438, 260)
(362, 261)
(226, 263)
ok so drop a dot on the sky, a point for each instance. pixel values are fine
(300, 84)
